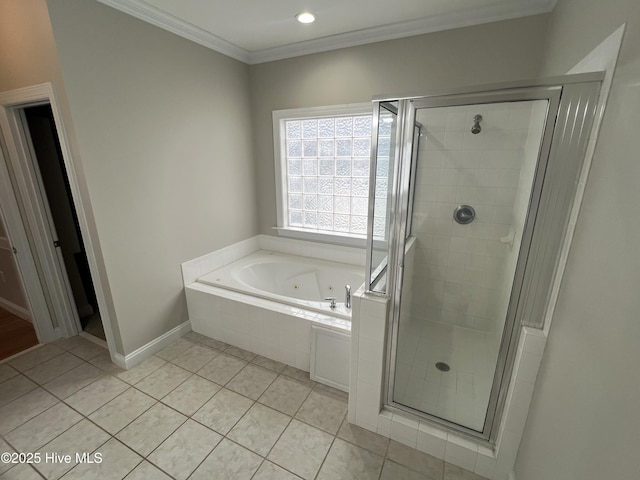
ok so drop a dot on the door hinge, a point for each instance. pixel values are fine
(56, 243)
(14, 249)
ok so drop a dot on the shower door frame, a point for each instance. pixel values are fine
(552, 90)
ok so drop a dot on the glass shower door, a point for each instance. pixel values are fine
(476, 168)
(384, 141)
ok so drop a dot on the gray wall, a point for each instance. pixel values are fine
(27, 57)
(162, 131)
(495, 52)
(584, 422)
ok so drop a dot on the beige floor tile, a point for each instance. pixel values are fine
(175, 349)
(184, 450)
(104, 363)
(223, 411)
(451, 472)
(363, 438)
(82, 437)
(326, 388)
(240, 353)
(271, 471)
(122, 410)
(6, 372)
(43, 428)
(394, 471)
(259, 429)
(301, 449)
(346, 461)
(147, 471)
(53, 368)
(297, 374)
(415, 460)
(69, 383)
(69, 343)
(188, 397)
(163, 380)
(87, 350)
(116, 462)
(209, 342)
(14, 388)
(228, 461)
(21, 472)
(269, 364)
(252, 381)
(137, 373)
(323, 410)
(195, 357)
(35, 357)
(222, 368)
(25, 408)
(150, 429)
(4, 447)
(96, 394)
(285, 395)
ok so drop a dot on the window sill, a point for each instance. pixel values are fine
(334, 238)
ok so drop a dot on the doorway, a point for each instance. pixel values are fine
(60, 213)
(16, 328)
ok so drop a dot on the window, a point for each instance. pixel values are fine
(322, 158)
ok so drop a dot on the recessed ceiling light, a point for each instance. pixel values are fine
(306, 17)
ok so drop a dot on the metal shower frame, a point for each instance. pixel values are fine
(568, 96)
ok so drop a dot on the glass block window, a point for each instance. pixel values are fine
(325, 173)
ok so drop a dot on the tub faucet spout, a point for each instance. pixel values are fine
(347, 296)
(333, 302)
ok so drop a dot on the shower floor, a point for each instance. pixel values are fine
(460, 395)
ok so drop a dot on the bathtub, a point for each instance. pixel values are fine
(272, 304)
(293, 280)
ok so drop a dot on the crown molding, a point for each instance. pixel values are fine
(403, 29)
(469, 17)
(150, 14)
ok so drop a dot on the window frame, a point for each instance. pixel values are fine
(279, 146)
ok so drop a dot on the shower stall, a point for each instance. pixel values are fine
(469, 199)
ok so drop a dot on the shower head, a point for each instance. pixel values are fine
(476, 124)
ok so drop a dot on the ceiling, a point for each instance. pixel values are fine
(257, 31)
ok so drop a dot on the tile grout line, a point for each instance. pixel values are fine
(313, 386)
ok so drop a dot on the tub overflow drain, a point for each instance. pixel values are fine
(443, 367)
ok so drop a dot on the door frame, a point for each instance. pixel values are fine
(48, 291)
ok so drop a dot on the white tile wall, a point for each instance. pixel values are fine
(459, 268)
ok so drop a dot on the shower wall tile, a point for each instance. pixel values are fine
(461, 452)
(404, 430)
(456, 167)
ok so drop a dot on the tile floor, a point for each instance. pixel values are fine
(460, 395)
(199, 409)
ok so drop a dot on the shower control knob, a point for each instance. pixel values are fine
(464, 214)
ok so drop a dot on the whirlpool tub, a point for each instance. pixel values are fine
(273, 304)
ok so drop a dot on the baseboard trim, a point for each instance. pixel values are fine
(154, 346)
(17, 310)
